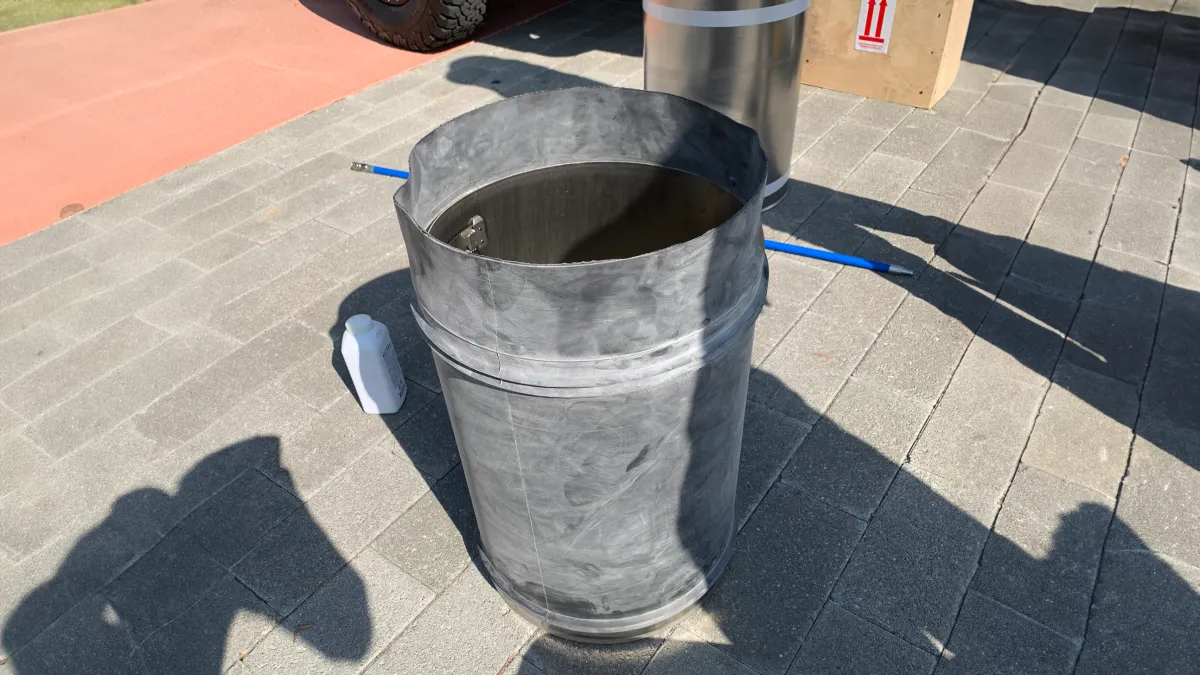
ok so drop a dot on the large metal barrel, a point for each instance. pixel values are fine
(588, 265)
(741, 57)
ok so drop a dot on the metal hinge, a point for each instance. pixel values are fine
(473, 237)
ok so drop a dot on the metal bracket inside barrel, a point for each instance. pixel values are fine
(473, 237)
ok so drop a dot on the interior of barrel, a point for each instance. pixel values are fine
(586, 212)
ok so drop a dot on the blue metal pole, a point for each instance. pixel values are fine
(381, 170)
(840, 258)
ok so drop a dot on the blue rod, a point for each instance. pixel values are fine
(840, 258)
(381, 170)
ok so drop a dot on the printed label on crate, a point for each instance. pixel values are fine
(874, 26)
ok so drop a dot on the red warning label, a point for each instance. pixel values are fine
(874, 26)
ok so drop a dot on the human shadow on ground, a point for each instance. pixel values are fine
(195, 599)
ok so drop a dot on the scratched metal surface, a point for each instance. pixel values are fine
(597, 406)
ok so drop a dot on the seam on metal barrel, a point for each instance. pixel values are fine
(724, 18)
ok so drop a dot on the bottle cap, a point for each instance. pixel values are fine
(360, 323)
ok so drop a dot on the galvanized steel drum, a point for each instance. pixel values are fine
(741, 57)
(588, 265)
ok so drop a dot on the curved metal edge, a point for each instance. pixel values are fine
(612, 631)
(724, 18)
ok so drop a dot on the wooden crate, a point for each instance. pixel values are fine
(921, 62)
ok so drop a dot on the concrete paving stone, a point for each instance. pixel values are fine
(970, 148)
(234, 519)
(1024, 330)
(217, 251)
(83, 363)
(1173, 391)
(684, 653)
(160, 586)
(1084, 429)
(357, 212)
(21, 459)
(1012, 88)
(1186, 251)
(918, 350)
(126, 390)
(221, 217)
(319, 381)
(1116, 131)
(1126, 280)
(1029, 166)
(1094, 163)
(1057, 258)
(956, 104)
(254, 312)
(40, 275)
(1179, 318)
(1074, 207)
(27, 351)
(882, 178)
(977, 434)
(860, 298)
(951, 179)
(245, 437)
(1116, 105)
(90, 638)
(22, 315)
(298, 151)
(803, 198)
(274, 220)
(804, 373)
(992, 638)
(1174, 83)
(919, 137)
(378, 284)
(769, 440)
(1145, 617)
(792, 288)
(352, 254)
(1052, 126)
(1153, 177)
(436, 538)
(212, 634)
(975, 77)
(90, 316)
(16, 256)
(360, 503)
(1125, 79)
(801, 144)
(923, 216)
(818, 115)
(1112, 341)
(242, 274)
(853, 453)
(153, 247)
(841, 150)
(843, 644)
(998, 119)
(1166, 129)
(552, 655)
(200, 400)
(295, 180)
(1071, 87)
(980, 261)
(180, 207)
(320, 452)
(44, 585)
(316, 120)
(1044, 551)
(1159, 509)
(486, 633)
(840, 224)
(346, 623)
(879, 114)
(787, 559)
(1142, 227)
(1002, 211)
(427, 439)
(912, 567)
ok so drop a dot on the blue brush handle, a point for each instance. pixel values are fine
(381, 170)
(840, 258)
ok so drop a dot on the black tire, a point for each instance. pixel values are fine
(420, 25)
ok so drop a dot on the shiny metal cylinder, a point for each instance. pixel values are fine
(741, 57)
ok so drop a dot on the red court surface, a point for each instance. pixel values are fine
(96, 105)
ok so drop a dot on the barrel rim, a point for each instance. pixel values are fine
(410, 220)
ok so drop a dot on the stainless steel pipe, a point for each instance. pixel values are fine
(740, 57)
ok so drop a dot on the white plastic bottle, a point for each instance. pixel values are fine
(371, 359)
